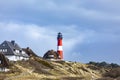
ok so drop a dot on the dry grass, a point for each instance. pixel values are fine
(106, 78)
(39, 69)
(2, 76)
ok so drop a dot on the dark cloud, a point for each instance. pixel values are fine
(89, 26)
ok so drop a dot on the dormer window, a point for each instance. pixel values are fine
(3, 45)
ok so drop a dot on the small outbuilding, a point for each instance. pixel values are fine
(30, 52)
(51, 55)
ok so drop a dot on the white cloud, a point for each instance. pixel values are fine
(40, 38)
(33, 32)
(9, 27)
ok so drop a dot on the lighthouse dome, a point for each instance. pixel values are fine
(59, 35)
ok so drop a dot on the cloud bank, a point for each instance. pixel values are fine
(40, 38)
(90, 28)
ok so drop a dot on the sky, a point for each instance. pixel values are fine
(90, 28)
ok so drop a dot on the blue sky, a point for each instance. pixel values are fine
(91, 28)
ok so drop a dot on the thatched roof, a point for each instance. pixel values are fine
(51, 54)
(29, 52)
(4, 62)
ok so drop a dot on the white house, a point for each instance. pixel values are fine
(13, 51)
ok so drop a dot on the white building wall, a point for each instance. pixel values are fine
(21, 58)
(26, 58)
(16, 58)
(12, 58)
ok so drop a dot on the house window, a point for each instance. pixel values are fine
(17, 51)
(4, 50)
(23, 52)
(0, 50)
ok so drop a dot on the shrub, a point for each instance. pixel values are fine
(113, 73)
(104, 64)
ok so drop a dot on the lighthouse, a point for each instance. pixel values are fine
(59, 45)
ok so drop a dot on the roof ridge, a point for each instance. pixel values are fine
(9, 45)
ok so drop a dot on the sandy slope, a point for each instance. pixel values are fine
(39, 69)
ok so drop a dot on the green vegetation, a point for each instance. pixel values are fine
(109, 71)
(104, 64)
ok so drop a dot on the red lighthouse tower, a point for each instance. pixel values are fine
(59, 45)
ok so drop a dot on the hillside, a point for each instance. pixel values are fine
(37, 68)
